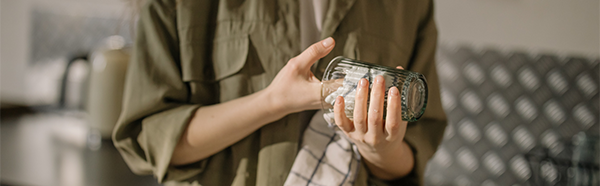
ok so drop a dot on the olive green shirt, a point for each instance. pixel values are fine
(192, 53)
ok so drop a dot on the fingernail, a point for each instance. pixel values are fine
(338, 100)
(362, 82)
(327, 42)
(379, 79)
(394, 91)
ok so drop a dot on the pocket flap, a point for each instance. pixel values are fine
(229, 56)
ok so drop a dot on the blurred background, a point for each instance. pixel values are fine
(519, 84)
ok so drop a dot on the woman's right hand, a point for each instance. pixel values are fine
(295, 88)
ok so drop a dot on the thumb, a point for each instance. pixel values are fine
(314, 52)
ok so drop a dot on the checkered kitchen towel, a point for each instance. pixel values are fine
(326, 158)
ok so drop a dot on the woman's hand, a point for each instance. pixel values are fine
(295, 88)
(379, 141)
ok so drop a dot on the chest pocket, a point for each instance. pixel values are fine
(229, 56)
(236, 67)
(378, 50)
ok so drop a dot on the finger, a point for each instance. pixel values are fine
(393, 120)
(340, 116)
(360, 105)
(375, 121)
(400, 67)
(314, 52)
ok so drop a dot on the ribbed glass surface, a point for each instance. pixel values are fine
(341, 79)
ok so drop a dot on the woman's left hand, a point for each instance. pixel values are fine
(380, 142)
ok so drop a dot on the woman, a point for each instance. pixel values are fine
(217, 93)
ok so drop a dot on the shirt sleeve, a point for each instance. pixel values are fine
(157, 102)
(425, 135)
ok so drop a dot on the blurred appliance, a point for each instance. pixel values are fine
(578, 165)
(73, 86)
(60, 83)
(109, 66)
(585, 160)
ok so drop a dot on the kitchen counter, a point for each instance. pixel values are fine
(43, 146)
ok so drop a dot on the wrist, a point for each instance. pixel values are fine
(393, 150)
(390, 163)
(273, 102)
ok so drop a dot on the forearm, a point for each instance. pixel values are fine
(393, 164)
(215, 127)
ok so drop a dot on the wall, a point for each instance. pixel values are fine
(557, 26)
(13, 47)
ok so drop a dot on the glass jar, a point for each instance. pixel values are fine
(341, 78)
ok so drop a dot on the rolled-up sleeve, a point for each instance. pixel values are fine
(157, 102)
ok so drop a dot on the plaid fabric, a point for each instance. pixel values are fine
(326, 158)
